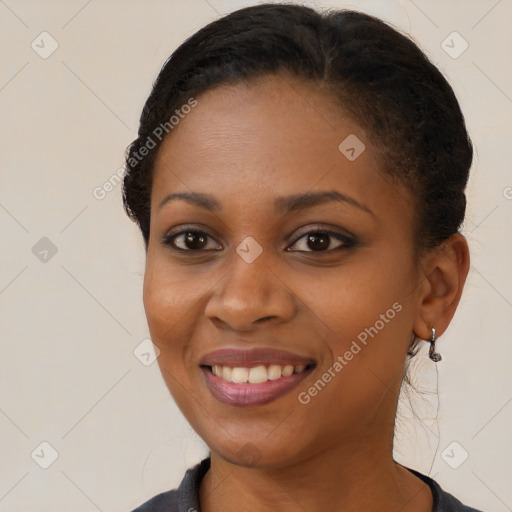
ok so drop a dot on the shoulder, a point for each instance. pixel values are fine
(443, 501)
(448, 503)
(164, 502)
(184, 498)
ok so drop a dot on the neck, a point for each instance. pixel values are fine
(348, 478)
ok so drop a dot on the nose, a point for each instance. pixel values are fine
(251, 294)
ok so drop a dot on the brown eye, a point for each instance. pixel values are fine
(322, 241)
(190, 240)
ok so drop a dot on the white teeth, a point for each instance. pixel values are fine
(240, 375)
(226, 373)
(256, 374)
(287, 370)
(274, 372)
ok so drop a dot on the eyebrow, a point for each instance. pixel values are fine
(283, 204)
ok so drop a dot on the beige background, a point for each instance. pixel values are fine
(70, 321)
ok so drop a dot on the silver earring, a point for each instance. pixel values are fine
(435, 356)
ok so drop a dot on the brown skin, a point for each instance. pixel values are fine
(245, 145)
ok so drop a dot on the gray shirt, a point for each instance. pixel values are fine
(186, 497)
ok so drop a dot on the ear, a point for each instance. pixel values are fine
(443, 271)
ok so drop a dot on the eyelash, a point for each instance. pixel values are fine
(346, 241)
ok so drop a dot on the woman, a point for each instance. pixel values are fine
(298, 179)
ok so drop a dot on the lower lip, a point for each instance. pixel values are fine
(250, 395)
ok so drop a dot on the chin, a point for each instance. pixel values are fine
(264, 452)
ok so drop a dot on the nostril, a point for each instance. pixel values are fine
(261, 320)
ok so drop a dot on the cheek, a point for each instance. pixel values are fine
(352, 300)
(368, 314)
(168, 301)
(170, 305)
(368, 319)
(167, 293)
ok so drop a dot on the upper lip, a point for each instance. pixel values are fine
(248, 358)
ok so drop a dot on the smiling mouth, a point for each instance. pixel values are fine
(251, 386)
(257, 374)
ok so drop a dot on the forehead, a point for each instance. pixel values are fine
(271, 136)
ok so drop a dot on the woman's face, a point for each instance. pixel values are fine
(255, 287)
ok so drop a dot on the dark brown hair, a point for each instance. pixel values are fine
(377, 74)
